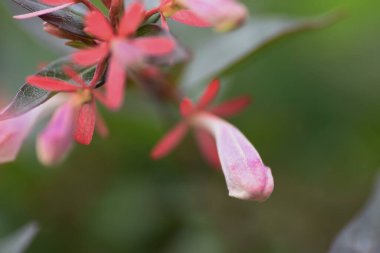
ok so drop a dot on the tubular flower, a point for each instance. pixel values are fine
(73, 120)
(222, 144)
(125, 51)
(223, 15)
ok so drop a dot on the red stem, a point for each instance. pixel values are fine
(151, 12)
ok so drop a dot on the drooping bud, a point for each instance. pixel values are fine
(246, 175)
(56, 139)
(223, 15)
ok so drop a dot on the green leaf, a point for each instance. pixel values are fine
(67, 19)
(216, 55)
(20, 240)
(29, 97)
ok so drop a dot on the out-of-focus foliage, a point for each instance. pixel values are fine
(315, 120)
(363, 233)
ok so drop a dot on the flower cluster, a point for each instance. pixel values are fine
(126, 43)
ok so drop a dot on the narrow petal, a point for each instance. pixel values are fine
(164, 22)
(207, 146)
(43, 12)
(169, 141)
(13, 133)
(155, 46)
(51, 84)
(246, 175)
(188, 17)
(56, 139)
(56, 2)
(116, 78)
(132, 18)
(91, 56)
(97, 25)
(186, 107)
(231, 107)
(85, 123)
(209, 94)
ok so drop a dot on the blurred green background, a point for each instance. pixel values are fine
(315, 121)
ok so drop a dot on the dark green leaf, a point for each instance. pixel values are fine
(66, 19)
(29, 97)
(219, 53)
(20, 240)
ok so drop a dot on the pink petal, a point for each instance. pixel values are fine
(169, 141)
(85, 123)
(209, 94)
(97, 25)
(164, 22)
(224, 15)
(91, 56)
(13, 133)
(207, 146)
(56, 139)
(231, 107)
(186, 107)
(116, 78)
(187, 17)
(246, 175)
(56, 2)
(155, 46)
(132, 18)
(43, 12)
(51, 84)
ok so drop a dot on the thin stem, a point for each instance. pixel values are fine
(98, 74)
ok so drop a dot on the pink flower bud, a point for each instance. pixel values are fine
(224, 15)
(56, 139)
(246, 175)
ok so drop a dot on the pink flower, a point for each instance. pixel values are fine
(124, 50)
(14, 131)
(75, 119)
(223, 15)
(222, 144)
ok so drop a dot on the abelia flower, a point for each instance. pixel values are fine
(125, 51)
(223, 15)
(75, 119)
(222, 144)
(14, 131)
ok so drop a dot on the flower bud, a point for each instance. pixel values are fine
(246, 175)
(224, 15)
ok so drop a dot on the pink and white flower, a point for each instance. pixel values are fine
(222, 144)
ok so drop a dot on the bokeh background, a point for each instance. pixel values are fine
(315, 120)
